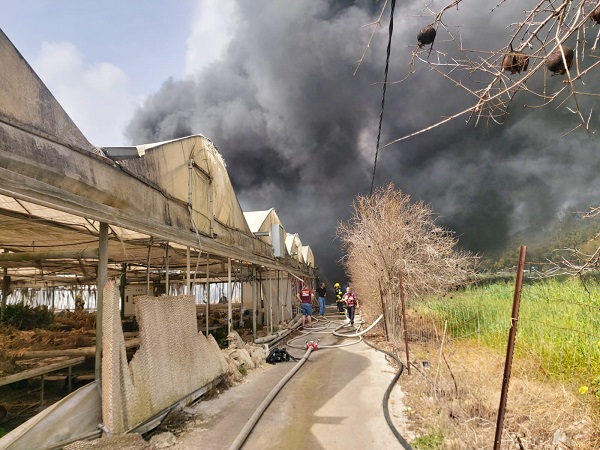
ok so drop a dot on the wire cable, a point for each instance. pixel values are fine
(387, 64)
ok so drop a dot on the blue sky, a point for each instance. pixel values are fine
(101, 59)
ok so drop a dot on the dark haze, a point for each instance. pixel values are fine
(298, 130)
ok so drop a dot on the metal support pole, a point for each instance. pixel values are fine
(229, 313)
(188, 283)
(148, 292)
(207, 312)
(102, 276)
(510, 348)
(260, 298)
(167, 269)
(241, 281)
(5, 290)
(254, 302)
(270, 327)
(122, 288)
(279, 297)
(211, 207)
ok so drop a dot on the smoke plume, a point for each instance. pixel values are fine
(297, 127)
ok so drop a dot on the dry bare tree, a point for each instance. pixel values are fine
(390, 241)
(552, 38)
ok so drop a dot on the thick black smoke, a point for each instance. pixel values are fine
(298, 129)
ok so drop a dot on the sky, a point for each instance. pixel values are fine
(275, 85)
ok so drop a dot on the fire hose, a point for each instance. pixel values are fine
(243, 435)
(310, 346)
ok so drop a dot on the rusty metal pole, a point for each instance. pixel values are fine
(387, 338)
(404, 323)
(511, 347)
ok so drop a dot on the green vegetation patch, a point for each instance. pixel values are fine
(430, 441)
(558, 324)
(220, 335)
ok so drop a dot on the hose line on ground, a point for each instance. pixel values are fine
(335, 332)
(241, 438)
(386, 397)
(245, 432)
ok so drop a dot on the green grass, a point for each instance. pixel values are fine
(430, 441)
(558, 323)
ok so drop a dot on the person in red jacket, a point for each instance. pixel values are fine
(306, 297)
(351, 303)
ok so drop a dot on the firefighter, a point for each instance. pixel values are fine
(338, 298)
(79, 302)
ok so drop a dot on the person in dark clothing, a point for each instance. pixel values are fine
(321, 293)
(351, 303)
(306, 297)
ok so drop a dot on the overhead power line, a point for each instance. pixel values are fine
(387, 63)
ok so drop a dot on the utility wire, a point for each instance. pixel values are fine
(387, 64)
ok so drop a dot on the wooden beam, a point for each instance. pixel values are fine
(81, 351)
(31, 373)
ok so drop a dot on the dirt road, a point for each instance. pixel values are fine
(334, 401)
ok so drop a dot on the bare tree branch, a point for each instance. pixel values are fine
(540, 38)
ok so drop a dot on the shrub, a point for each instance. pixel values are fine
(25, 317)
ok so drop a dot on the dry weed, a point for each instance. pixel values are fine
(461, 398)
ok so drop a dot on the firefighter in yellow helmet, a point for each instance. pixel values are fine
(79, 302)
(338, 298)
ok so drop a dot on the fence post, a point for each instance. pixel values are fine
(511, 347)
(387, 338)
(404, 322)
